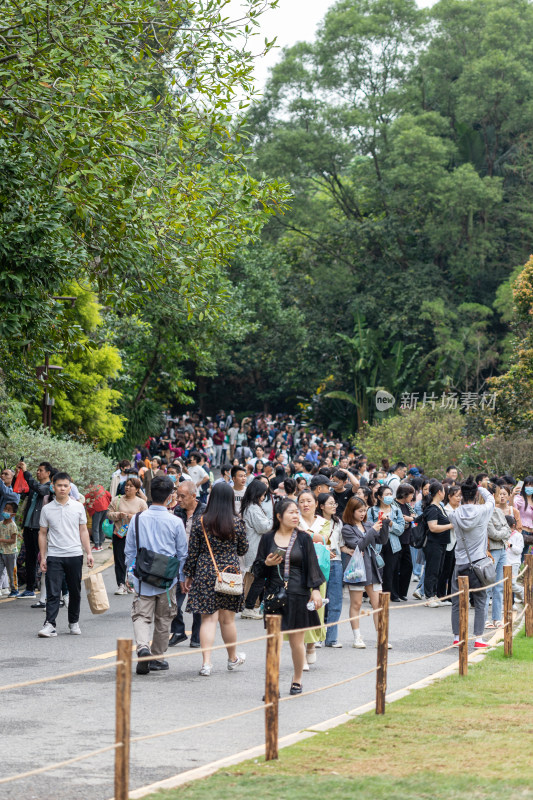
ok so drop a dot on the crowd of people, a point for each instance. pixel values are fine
(257, 516)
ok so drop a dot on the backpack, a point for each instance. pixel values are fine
(419, 533)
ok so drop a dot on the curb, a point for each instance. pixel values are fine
(293, 738)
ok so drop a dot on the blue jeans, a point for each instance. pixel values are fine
(417, 568)
(500, 559)
(334, 594)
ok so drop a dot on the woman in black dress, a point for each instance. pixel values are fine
(305, 578)
(227, 537)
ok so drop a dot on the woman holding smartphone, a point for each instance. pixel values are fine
(286, 558)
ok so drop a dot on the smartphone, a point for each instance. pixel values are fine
(380, 516)
(279, 552)
(520, 484)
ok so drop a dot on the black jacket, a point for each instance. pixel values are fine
(182, 514)
(42, 490)
(312, 574)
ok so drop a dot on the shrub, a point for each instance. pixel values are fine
(81, 461)
(498, 454)
(431, 439)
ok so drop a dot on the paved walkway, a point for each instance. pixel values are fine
(51, 722)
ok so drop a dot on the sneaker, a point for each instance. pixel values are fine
(306, 667)
(97, 548)
(14, 593)
(26, 595)
(121, 589)
(38, 604)
(445, 602)
(318, 644)
(143, 667)
(480, 645)
(74, 628)
(65, 600)
(4, 592)
(251, 613)
(433, 602)
(206, 670)
(239, 661)
(310, 657)
(456, 642)
(358, 642)
(417, 594)
(47, 631)
(337, 645)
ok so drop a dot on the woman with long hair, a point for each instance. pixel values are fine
(438, 537)
(522, 500)
(499, 533)
(312, 523)
(452, 501)
(218, 535)
(257, 523)
(331, 533)
(358, 532)
(287, 546)
(388, 511)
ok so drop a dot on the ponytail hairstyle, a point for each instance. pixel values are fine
(434, 487)
(469, 489)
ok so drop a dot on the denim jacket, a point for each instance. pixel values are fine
(397, 525)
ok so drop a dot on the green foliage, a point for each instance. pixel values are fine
(498, 454)
(83, 462)
(431, 439)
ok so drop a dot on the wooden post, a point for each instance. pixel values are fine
(122, 711)
(528, 594)
(464, 599)
(273, 651)
(508, 610)
(383, 652)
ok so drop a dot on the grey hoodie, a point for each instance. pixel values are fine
(471, 521)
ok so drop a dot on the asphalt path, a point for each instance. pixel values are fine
(52, 722)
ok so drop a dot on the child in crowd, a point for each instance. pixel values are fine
(8, 545)
(515, 546)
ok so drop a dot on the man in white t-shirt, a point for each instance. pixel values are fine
(197, 473)
(238, 476)
(63, 536)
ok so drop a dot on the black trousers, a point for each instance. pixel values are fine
(391, 567)
(31, 544)
(444, 585)
(119, 545)
(434, 551)
(178, 625)
(58, 568)
(255, 591)
(404, 572)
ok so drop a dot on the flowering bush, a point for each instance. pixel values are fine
(81, 461)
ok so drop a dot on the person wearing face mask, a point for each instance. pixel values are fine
(438, 538)
(8, 546)
(387, 509)
(522, 500)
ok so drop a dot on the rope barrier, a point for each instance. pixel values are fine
(427, 655)
(68, 761)
(59, 677)
(330, 686)
(519, 616)
(200, 724)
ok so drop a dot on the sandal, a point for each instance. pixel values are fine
(498, 624)
(490, 625)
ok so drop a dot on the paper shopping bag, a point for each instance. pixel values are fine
(96, 593)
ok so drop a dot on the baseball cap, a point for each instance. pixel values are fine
(320, 480)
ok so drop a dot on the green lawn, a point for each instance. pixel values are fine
(459, 738)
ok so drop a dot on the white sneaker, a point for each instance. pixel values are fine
(121, 589)
(74, 627)
(318, 644)
(358, 642)
(66, 599)
(239, 661)
(206, 670)
(47, 631)
(305, 667)
(337, 645)
(310, 657)
(434, 602)
(251, 613)
(5, 592)
(445, 602)
(417, 594)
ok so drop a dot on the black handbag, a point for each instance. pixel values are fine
(276, 602)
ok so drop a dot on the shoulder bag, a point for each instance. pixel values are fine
(226, 582)
(122, 531)
(276, 602)
(154, 568)
(484, 568)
